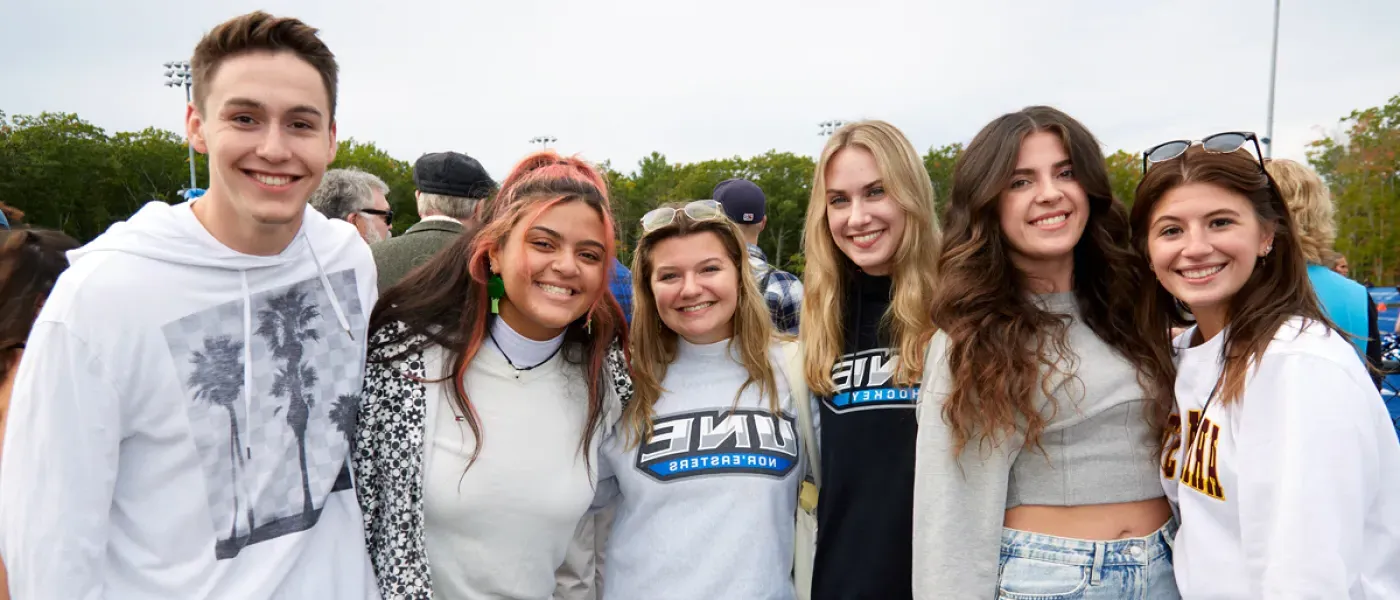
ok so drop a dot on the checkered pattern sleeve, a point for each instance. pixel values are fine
(784, 297)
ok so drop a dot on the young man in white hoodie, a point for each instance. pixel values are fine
(183, 413)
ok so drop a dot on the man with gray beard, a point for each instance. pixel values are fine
(358, 198)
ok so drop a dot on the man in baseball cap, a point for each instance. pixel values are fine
(745, 204)
(451, 191)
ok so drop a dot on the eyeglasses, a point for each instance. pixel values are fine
(699, 210)
(1220, 143)
(387, 214)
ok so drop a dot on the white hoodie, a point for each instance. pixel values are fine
(181, 417)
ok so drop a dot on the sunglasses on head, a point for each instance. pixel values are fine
(699, 210)
(387, 214)
(1220, 143)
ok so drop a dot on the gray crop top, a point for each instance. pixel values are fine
(1097, 450)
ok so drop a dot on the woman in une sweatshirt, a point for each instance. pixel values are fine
(1280, 457)
(872, 242)
(707, 455)
(494, 367)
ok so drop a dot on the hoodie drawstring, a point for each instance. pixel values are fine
(246, 450)
(326, 283)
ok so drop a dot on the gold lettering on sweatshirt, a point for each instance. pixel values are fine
(1200, 470)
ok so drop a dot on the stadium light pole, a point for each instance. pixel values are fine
(826, 128)
(177, 74)
(543, 140)
(1273, 77)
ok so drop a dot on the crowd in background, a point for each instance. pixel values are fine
(1033, 393)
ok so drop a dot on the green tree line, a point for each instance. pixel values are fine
(69, 174)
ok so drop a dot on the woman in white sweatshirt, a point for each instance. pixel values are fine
(494, 368)
(1280, 457)
(706, 463)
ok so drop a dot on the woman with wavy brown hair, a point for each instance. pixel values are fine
(1036, 463)
(1280, 457)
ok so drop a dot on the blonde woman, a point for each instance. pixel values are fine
(1345, 302)
(872, 242)
(705, 464)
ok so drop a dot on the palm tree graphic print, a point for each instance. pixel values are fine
(286, 325)
(272, 414)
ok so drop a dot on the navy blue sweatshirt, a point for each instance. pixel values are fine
(865, 509)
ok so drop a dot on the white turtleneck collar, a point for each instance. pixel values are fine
(520, 350)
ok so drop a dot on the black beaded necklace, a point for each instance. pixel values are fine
(510, 362)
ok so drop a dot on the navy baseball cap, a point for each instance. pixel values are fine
(4, 223)
(743, 201)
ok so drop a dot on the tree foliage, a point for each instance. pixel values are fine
(69, 174)
(1361, 165)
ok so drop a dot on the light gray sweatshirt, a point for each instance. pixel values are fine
(1098, 449)
(706, 506)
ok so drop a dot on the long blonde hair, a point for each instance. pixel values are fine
(654, 344)
(915, 261)
(1310, 203)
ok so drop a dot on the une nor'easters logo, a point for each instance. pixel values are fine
(864, 381)
(750, 442)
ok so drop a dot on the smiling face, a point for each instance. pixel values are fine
(553, 269)
(1044, 210)
(1204, 241)
(696, 286)
(265, 124)
(866, 224)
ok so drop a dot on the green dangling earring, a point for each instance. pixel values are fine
(495, 289)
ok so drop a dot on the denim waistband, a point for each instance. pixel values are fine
(1070, 551)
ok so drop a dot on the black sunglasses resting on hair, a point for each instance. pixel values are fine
(1220, 143)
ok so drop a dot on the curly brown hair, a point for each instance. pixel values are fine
(983, 303)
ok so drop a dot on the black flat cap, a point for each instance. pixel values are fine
(452, 174)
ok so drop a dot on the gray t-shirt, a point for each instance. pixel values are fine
(1098, 449)
(705, 507)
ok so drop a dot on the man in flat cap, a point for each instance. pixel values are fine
(451, 190)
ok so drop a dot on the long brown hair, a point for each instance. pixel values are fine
(30, 263)
(445, 300)
(913, 275)
(999, 337)
(654, 344)
(1277, 290)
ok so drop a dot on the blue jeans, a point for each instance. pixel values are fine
(1045, 567)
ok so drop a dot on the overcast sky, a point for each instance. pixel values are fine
(617, 79)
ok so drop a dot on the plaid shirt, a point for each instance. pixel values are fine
(621, 285)
(783, 291)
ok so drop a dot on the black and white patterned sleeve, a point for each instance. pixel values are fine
(620, 372)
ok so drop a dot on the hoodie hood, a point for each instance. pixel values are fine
(172, 234)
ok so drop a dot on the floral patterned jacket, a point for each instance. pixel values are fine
(388, 460)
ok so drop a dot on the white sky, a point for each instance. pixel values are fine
(694, 80)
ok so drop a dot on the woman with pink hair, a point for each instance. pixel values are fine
(493, 368)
